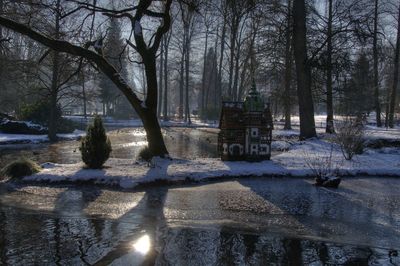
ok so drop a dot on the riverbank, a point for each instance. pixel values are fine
(301, 160)
(8, 139)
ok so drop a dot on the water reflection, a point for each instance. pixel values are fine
(85, 226)
(126, 143)
(142, 245)
(190, 246)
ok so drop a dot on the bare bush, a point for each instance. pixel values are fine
(350, 136)
(323, 166)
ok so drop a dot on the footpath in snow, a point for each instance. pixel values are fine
(126, 173)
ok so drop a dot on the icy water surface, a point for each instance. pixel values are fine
(253, 221)
(126, 143)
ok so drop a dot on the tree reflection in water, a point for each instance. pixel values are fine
(85, 226)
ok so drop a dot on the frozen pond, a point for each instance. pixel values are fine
(253, 221)
(126, 143)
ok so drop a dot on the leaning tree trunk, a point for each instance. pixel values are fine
(306, 105)
(393, 93)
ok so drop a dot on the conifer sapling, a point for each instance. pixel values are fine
(96, 146)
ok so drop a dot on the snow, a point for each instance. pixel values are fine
(29, 124)
(8, 138)
(127, 173)
(21, 138)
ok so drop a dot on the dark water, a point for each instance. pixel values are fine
(250, 221)
(126, 143)
(254, 221)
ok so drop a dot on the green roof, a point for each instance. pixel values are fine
(253, 101)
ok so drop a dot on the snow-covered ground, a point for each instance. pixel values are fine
(32, 139)
(129, 173)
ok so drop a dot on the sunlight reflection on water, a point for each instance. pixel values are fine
(142, 245)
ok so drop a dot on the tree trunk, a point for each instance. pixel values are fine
(288, 71)
(221, 59)
(160, 79)
(84, 97)
(187, 65)
(204, 77)
(52, 134)
(393, 93)
(376, 77)
(306, 105)
(236, 75)
(181, 83)
(153, 133)
(329, 94)
(232, 59)
(165, 98)
(150, 121)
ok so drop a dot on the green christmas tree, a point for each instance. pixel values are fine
(96, 146)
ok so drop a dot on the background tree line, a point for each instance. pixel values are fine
(332, 57)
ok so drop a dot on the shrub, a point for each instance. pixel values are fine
(20, 168)
(145, 154)
(349, 136)
(66, 126)
(39, 114)
(21, 127)
(95, 146)
(323, 166)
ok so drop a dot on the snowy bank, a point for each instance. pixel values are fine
(128, 173)
(6, 139)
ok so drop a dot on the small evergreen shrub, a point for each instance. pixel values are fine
(95, 146)
(145, 154)
(20, 168)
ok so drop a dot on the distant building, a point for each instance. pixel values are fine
(245, 129)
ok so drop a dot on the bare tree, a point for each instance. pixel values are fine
(393, 92)
(147, 108)
(306, 105)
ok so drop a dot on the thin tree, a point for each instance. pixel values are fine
(329, 94)
(288, 67)
(393, 92)
(376, 75)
